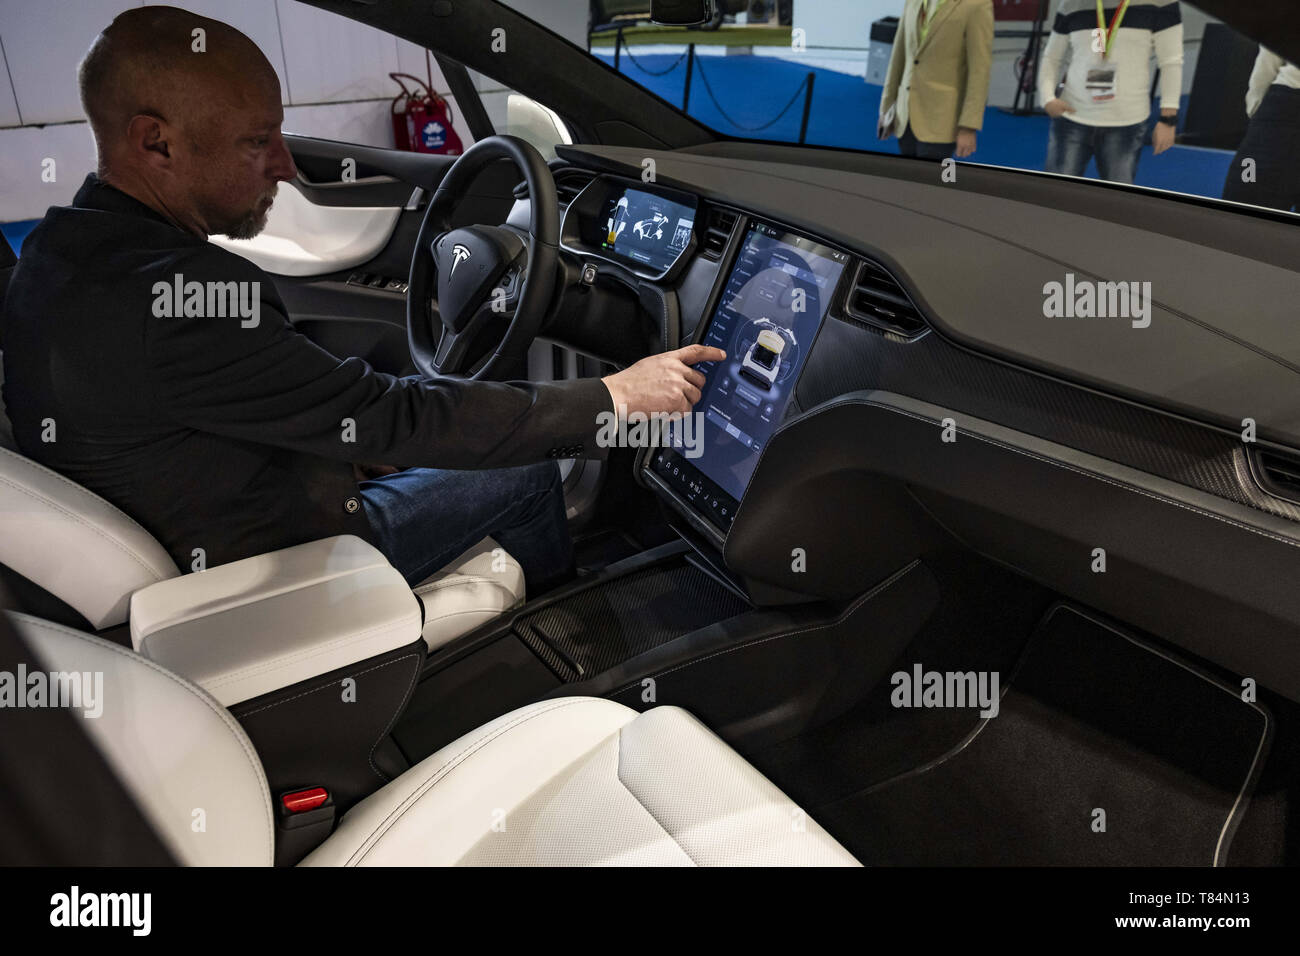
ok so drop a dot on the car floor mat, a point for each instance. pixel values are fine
(1105, 750)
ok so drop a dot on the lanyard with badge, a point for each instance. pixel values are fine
(1100, 82)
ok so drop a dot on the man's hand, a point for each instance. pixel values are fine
(965, 142)
(662, 383)
(882, 132)
(1057, 107)
(1162, 137)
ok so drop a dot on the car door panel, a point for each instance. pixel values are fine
(340, 237)
(302, 238)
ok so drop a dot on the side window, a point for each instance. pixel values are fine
(514, 114)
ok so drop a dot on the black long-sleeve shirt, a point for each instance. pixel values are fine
(217, 432)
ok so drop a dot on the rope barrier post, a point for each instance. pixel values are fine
(690, 68)
(618, 46)
(807, 106)
(1029, 64)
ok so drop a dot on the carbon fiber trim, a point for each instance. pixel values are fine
(851, 357)
(600, 627)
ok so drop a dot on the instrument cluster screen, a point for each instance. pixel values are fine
(646, 229)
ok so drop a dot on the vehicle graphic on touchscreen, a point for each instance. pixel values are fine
(647, 229)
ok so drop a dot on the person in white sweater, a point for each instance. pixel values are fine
(1266, 169)
(1104, 107)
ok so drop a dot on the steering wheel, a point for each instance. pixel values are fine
(486, 276)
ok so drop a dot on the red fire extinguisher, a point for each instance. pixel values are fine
(422, 120)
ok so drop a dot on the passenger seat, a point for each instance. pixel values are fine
(571, 781)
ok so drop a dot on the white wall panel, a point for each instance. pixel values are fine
(8, 102)
(44, 42)
(330, 58)
(366, 122)
(23, 194)
(411, 59)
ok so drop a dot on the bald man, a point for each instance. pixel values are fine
(208, 419)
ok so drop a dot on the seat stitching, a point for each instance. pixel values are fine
(120, 545)
(80, 489)
(618, 773)
(423, 787)
(221, 712)
(330, 686)
(486, 609)
(463, 579)
(401, 705)
(317, 690)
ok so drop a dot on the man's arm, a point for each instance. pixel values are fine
(1167, 39)
(269, 384)
(894, 73)
(979, 63)
(1267, 66)
(1051, 61)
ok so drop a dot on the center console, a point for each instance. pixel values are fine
(767, 317)
(314, 649)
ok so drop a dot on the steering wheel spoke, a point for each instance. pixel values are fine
(451, 353)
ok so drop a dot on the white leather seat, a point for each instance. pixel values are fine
(474, 588)
(564, 782)
(92, 556)
(581, 781)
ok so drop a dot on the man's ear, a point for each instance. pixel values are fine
(148, 138)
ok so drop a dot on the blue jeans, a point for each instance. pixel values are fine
(425, 517)
(1070, 145)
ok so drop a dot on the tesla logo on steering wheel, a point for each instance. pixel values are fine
(459, 254)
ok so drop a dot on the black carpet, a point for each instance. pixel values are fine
(983, 623)
(1092, 723)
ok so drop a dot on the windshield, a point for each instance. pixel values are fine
(1149, 92)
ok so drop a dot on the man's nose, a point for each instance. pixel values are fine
(284, 167)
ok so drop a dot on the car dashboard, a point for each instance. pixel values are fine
(924, 396)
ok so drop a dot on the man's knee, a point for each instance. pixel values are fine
(542, 477)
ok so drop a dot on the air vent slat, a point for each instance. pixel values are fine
(1282, 473)
(570, 182)
(718, 227)
(877, 300)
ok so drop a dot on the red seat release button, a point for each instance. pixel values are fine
(303, 800)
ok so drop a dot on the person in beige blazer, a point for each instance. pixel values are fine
(938, 78)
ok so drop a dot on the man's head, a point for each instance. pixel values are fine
(186, 116)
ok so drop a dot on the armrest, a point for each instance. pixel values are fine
(249, 627)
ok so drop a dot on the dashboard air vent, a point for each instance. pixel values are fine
(1280, 474)
(570, 182)
(876, 299)
(718, 226)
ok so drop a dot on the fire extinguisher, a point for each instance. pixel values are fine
(422, 120)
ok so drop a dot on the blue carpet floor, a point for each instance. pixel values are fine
(738, 94)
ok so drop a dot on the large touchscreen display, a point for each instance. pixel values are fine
(766, 319)
(648, 229)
